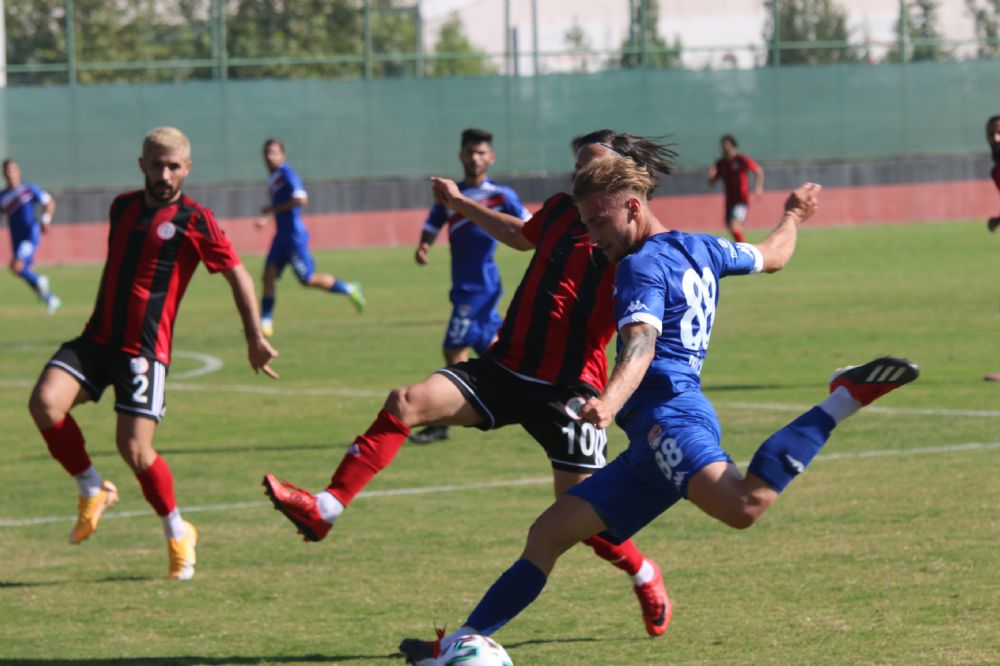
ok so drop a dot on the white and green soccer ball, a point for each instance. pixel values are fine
(474, 650)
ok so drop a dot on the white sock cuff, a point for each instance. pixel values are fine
(644, 574)
(840, 404)
(89, 482)
(329, 506)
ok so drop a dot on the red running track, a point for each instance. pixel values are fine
(845, 206)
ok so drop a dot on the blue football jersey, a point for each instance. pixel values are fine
(284, 184)
(672, 283)
(474, 273)
(18, 204)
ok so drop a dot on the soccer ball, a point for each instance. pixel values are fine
(474, 650)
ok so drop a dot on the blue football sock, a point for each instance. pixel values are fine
(512, 592)
(266, 307)
(789, 451)
(30, 277)
(340, 287)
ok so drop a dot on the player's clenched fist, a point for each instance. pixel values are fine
(803, 202)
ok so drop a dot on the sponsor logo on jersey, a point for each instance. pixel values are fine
(728, 246)
(636, 306)
(653, 438)
(139, 365)
(795, 464)
(166, 231)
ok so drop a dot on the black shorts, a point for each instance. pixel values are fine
(139, 381)
(504, 398)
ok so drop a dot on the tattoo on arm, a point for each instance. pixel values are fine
(639, 343)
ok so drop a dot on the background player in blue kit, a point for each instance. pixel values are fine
(291, 240)
(475, 278)
(666, 293)
(18, 202)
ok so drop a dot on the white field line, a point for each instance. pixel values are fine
(916, 411)
(277, 389)
(509, 483)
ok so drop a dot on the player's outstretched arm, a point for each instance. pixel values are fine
(779, 245)
(505, 228)
(259, 350)
(638, 345)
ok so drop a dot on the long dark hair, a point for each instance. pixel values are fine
(652, 152)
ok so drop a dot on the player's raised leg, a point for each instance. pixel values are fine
(722, 492)
(54, 395)
(434, 400)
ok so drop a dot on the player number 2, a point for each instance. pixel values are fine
(141, 382)
(696, 324)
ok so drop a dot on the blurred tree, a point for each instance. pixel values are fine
(35, 36)
(303, 28)
(130, 31)
(644, 45)
(578, 45)
(453, 42)
(986, 17)
(918, 21)
(809, 21)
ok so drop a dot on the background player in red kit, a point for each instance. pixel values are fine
(733, 169)
(156, 240)
(993, 138)
(550, 353)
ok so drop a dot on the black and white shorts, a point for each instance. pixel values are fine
(139, 381)
(504, 398)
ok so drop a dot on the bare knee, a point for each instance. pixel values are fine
(400, 404)
(45, 407)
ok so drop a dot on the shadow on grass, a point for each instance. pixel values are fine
(11, 584)
(557, 641)
(207, 661)
(338, 448)
(277, 659)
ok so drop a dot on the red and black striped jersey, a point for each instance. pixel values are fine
(152, 254)
(559, 321)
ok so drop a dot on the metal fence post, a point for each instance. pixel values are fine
(368, 39)
(70, 44)
(776, 14)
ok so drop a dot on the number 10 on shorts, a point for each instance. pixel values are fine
(588, 438)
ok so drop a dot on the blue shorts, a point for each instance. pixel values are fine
(24, 248)
(473, 324)
(668, 444)
(285, 251)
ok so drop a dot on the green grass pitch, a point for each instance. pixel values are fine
(884, 552)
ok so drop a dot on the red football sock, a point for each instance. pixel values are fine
(738, 236)
(67, 446)
(371, 453)
(158, 486)
(625, 556)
